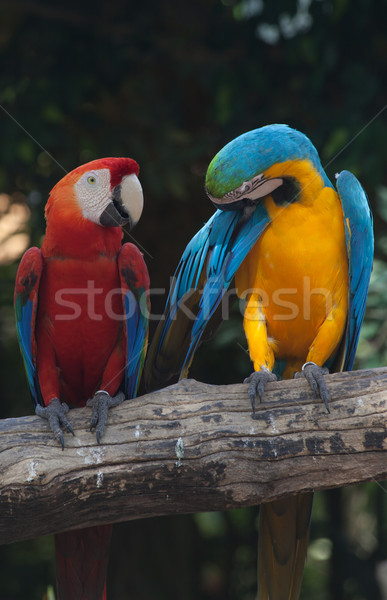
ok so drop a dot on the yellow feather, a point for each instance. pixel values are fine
(298, 272)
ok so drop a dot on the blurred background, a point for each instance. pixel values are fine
(169, 83)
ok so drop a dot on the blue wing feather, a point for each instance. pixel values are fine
(360, 247)
(136, 328)
(219, 247)
(26, 305)
(135, 287)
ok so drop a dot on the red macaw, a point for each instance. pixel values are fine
(81, 310)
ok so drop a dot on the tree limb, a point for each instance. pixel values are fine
(192, 447)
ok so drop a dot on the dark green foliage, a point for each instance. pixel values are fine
(169, 83)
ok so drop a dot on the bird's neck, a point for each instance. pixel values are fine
(307, 179)
(79, 238)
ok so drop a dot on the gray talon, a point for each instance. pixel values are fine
(258, 381)
(55, 413)
(314, 374)
(100, 403)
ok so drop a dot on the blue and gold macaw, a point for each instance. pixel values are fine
(301, 255)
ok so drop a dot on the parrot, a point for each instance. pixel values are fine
(298, 253)
(82, 311)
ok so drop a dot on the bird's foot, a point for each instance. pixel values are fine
(100, 403)
(257, 382)
(315, 377)
(56, 415)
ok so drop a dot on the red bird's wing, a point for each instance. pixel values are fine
(135, 290)
(26, 305)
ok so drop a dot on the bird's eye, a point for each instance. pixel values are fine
(92, 180)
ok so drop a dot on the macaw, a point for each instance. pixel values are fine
(81, 306)
(301, 256)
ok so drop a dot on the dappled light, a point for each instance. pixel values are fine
(14, 217)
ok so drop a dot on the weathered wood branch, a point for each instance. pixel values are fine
(192, 447)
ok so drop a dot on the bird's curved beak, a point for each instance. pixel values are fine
(247, 194)
(126, 204)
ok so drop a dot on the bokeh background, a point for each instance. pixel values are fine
(169, 83)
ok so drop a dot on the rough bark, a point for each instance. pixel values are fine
(192, 447)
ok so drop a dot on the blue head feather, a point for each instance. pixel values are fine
(254, 152)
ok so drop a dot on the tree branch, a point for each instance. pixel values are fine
(192, 447)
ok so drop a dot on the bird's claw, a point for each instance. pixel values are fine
(257, 382)
(100, 403)
(314, 374)
(56, 415)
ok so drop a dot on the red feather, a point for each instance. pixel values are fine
(81, 563)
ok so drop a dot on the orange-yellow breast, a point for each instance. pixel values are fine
(299, 271)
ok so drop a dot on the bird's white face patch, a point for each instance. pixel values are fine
(93, 193)
(255, 188)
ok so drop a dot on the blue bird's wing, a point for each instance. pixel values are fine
(135, 289)
(26, 305)
(360, 247)
(204, 273)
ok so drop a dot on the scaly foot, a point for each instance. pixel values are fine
(55, 413)
(100, 404)
(258, 381)
(315, 377)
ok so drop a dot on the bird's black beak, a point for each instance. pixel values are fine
(115, 214)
